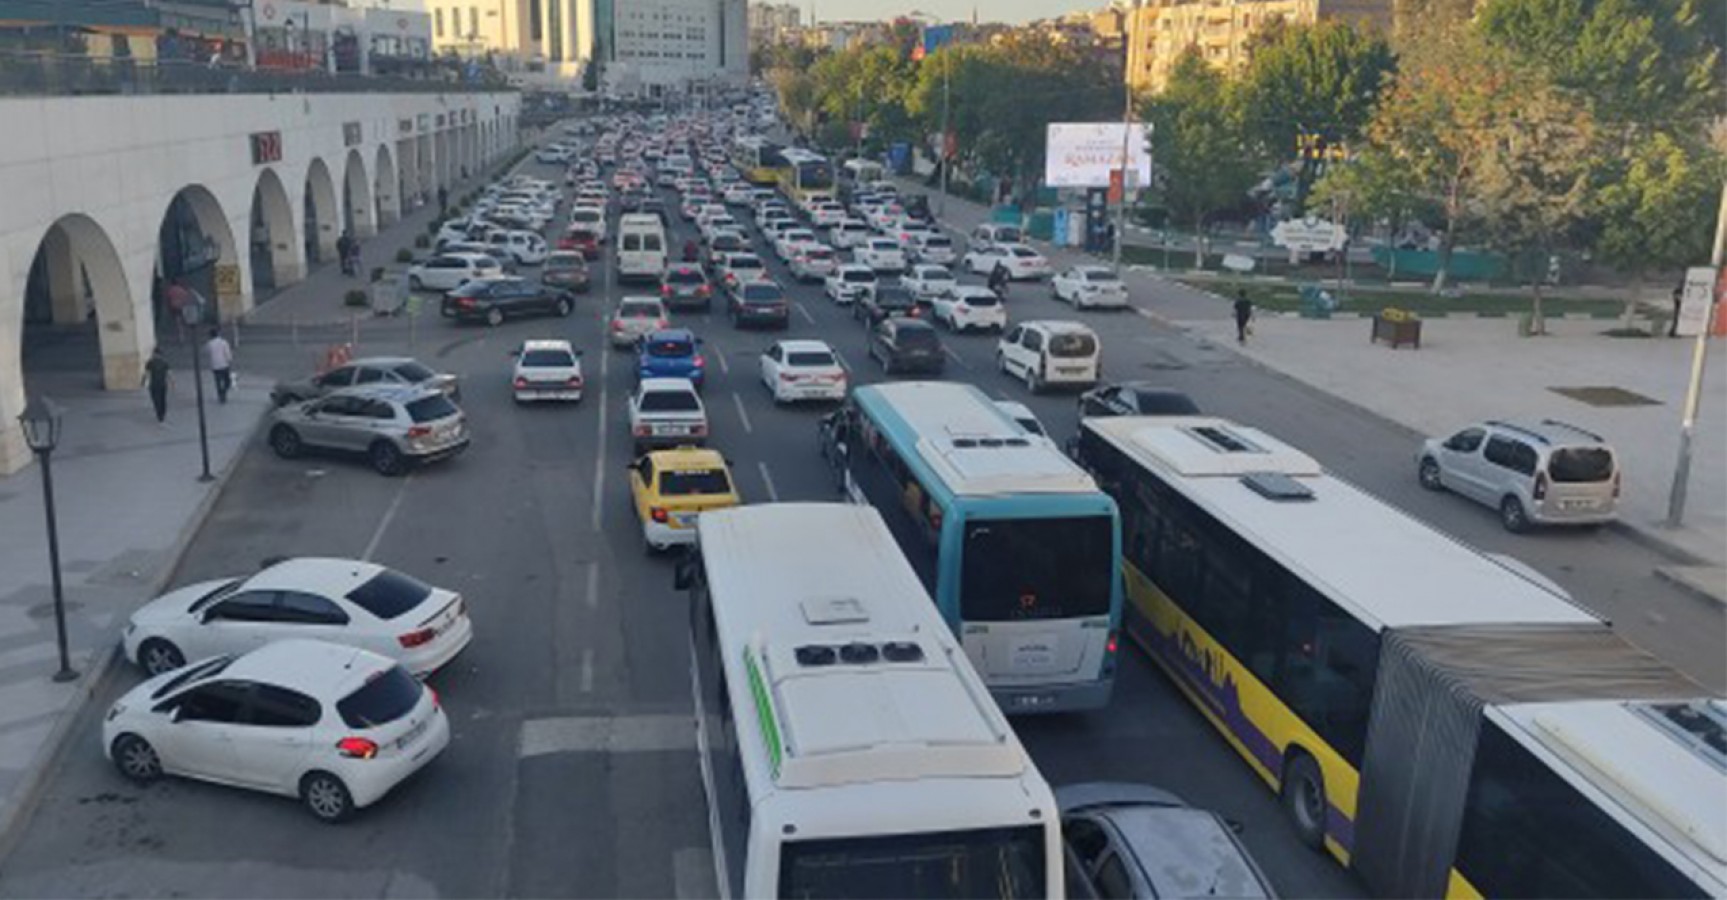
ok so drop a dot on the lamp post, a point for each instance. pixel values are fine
(41, 424)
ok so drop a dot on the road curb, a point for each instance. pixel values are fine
(1651, 538)
(100, 667)
(1690, 579)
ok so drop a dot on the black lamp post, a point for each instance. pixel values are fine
(41, 424)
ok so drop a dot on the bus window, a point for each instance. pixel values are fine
(1017, 569)
(997, 862)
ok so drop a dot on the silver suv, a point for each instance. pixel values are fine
(393, 427)
(1548, 473)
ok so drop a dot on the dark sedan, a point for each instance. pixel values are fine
(907, 345)
(1136, 398)
(760, 302)
(498, 299)
(566, 269)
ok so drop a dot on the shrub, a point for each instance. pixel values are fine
(404, 255)
(356, 297)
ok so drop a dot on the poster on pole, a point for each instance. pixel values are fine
(1694, 301)
(1083, 154)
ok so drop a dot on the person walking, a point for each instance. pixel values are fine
(443, 200)
(998, 280)
(221, 359)
(1243, 315)
(156, 379)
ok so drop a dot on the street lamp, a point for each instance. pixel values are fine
(191, 306)
(41, 424)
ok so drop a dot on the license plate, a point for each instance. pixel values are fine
(684, 520)
(1070, 371)
(1577, 504)
(1032, 701)
(670, 429)
(413, 733)
(1033, 655)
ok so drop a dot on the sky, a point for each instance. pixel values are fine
(1014, 11)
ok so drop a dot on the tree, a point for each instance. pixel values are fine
(1658, 215)
(1199, 145)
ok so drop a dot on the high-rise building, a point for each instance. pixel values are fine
(556, 37)
(1158, 31)
(677, 46)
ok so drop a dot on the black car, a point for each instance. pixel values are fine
(760, 302)
(1136, 398)
(917, 207)
(886, 301)
(493, 301)
(907, 345)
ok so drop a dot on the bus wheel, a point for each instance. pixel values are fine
(1303, 796)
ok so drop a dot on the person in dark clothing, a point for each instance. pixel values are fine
(156, 379)
(1678, 301)
(443, 200)
(1243, 315)
(998, 279)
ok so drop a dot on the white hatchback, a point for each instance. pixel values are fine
(850, 283)
(803, 370)
(880, 254)
(360, 604)
(968, 306)
(1022, 262)
(1089, 287)
(336, 726)
(547, 370)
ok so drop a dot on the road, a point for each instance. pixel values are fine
(571, 772)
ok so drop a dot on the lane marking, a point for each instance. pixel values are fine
(693, 874)
(606, 734)
(768, 479)
(842, 359)
(593, 594)
(742, 414)
(725, 367)
(389, 516)
(600, 454)
(804, 312)
(955, 357)
(587, 670)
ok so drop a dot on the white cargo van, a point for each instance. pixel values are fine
(641, 247)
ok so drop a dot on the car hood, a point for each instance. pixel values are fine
(174, 604)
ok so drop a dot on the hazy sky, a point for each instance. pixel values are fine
(945, 10)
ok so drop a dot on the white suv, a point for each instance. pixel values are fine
(1545, 473)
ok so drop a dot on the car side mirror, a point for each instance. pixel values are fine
(178, 713)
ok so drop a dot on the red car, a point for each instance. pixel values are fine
(583, 240)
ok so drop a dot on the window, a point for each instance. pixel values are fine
(1087, 839)
(274, 707)
(1113, 882)
(1569, 465)
(309, 609)
(997, 862)
(382, 700)
(474, 20)
(246, 606)
(336, 378)
(1072, 346)
(1510, 454)
(1028, 569)
(414, 373)
(219, 703)
(1034, 341)
(438, 20)
(389, 594)
(430, 409)
(694, 482)
(1466, 441)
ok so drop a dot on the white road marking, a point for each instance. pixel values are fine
(841, 357)
(955, 357)
(742, 413)
(593, 595)
(605, 734)
(768, 479)
(588, 670)
(693, 874)
(720, 355)
(389, 516)
(804, 312)
(600, 454)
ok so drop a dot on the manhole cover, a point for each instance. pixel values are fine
(1596, 395)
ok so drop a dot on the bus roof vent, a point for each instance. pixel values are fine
(1276, 486)
(858, 653)
(902, 651)
(1225, 440)
(834, 610)
(815, 655)
(1702, 726)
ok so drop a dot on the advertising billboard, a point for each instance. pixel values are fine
(1082, 154)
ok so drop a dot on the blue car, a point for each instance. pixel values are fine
(671, 353)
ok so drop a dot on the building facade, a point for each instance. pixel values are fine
(677, 47)
(556, 38)
(1158, 31)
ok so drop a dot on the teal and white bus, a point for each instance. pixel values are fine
(1016, 543)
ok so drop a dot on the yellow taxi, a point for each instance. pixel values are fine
(670, 487)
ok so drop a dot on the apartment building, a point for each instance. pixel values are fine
(1159, 30)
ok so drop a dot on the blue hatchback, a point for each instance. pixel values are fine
(671, 353)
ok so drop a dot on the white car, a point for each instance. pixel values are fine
(1088, 287)
(827, 215)
(849, 233)
(813, 262)
(935, 247)
(526, 247)
(666, 412)
(452, 270)
(590, 218)
(884, 216)
(336, 726)
(850, 283)
(635, 318)
(737, 194)
(910, 233)
(1044, 352)
(713, 225)
(547, 370)
(1022, 416)
(968, 307)
(803, 370)
(357, 603)
(1022, 262)
(880, 254)
(787, 242)
(927, 282)
(741, 267)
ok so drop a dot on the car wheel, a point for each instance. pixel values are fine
(1429, 475)
(326, 797)
(415, 284)
(1513, 516)
(564, 307)
(494, 317)
(1303, 797)
(158, 655)
(1033, 380)
(136, 759)
(386, 459)
(286, 442)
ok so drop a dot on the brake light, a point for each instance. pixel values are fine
(665, 290)
(575, 381)
(465, 301)
(1540, 491)
(700, 429)
(1114, 642)
(419, 431)
(357, 748)
(658, 514)
(521, 382)
(617, 324)
(700, 362)
(788, 377)
(417, 638)
(435, 702)
(702, 291)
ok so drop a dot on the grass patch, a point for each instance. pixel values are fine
(1287, 298)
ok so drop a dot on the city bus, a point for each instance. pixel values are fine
(1431, 716)
(806, 173)
(847, 747)
(758, 160)
(1016, 543)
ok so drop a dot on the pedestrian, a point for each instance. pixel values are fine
(998, 279)
(443, 200)
(1678, 301)
(221, 358)
(1243, 316)
(156, 379)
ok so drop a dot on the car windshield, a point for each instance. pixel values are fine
(813, 359)
(919, 338)
(639, 310)
(981, 300)
(389, 594)
(937, 241)
(560, 359)
(670, 401)
(694, 481)
(431, 409)
(937, 275)
(858, 276)
(388, 696)
(672, 347)
(684, 276)
(1072, 346)
(744, 261)
(414, 373)
(1096, 276)
(1572, 465)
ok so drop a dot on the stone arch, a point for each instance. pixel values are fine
(385, 189)
(194, 239)
(323, 216)
(359, 214)
(77, 281)
(276, 259)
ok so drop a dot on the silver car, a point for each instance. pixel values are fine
(1543, 473)
(392, 427)
(1138, 841)
(398, 371)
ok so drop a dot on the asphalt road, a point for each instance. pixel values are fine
(572, 772)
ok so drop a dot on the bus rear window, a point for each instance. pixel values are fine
(1024, 569)
(996, 862)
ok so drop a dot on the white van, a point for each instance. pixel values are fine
(641, 247)
(1045, 352)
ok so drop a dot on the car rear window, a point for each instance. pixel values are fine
(1024, 252)
(1573, 465)
(430, 409)
(684, 276)
(762, 293)
(414, 372)
(858, 277)
(1007, 235)
(981, 300)
(389, 696)
(1101, 276)
(694, 481)
(565, 260)
(669, 401)
(810, 358)
(918, 337)
(549, 358)
(639, 310)
(389, 594)
(1072, 346)
(937, 241)
(670, 348)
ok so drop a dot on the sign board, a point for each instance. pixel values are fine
(1237, 262)
(227, 280)
(351, 134)
(1083, 154)
(266, 147)
(1694, 302)
(1308, 235)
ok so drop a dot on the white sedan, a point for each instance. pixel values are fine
(928, 282)
(880, 254)
(336, 726)
(1022, 262)
(803, 370)
(357, 603)
(449, 271)
(968, 307)
(813, 262)
(786, 243)
(1089, 287)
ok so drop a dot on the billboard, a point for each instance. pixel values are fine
(1082, 154)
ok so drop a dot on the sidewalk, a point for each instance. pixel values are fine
(128, 498)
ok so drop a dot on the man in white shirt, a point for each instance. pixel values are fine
(221, 358)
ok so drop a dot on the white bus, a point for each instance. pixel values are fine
(847, 747)
(1431, 716)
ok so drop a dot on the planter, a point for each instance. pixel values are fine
(1396, 332)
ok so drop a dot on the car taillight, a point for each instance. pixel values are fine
(521, 382)
(1540, 491)
(665, 290)
(417, 638)
(1615, 485)
(700, 362)
(658, 514)
(575, 381)
(642, 431)
(418, 431)
(702, 291)
(357, 748)
(700, 429)
(435, 701)
(788, 377)
(465, 301)
(1114, 642)
(617, 324)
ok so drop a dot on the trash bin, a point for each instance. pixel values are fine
(1316, 302)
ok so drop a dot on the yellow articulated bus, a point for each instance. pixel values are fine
(758, 160)
(1445, 722)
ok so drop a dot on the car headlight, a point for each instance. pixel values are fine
(115, 711)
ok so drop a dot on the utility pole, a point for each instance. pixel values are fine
(941, 151)
(1694, 390)
(1126, 168)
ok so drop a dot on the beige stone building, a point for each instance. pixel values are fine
(1159, 30)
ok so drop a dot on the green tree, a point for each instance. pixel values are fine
(1657, 214)
(1199, 145)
